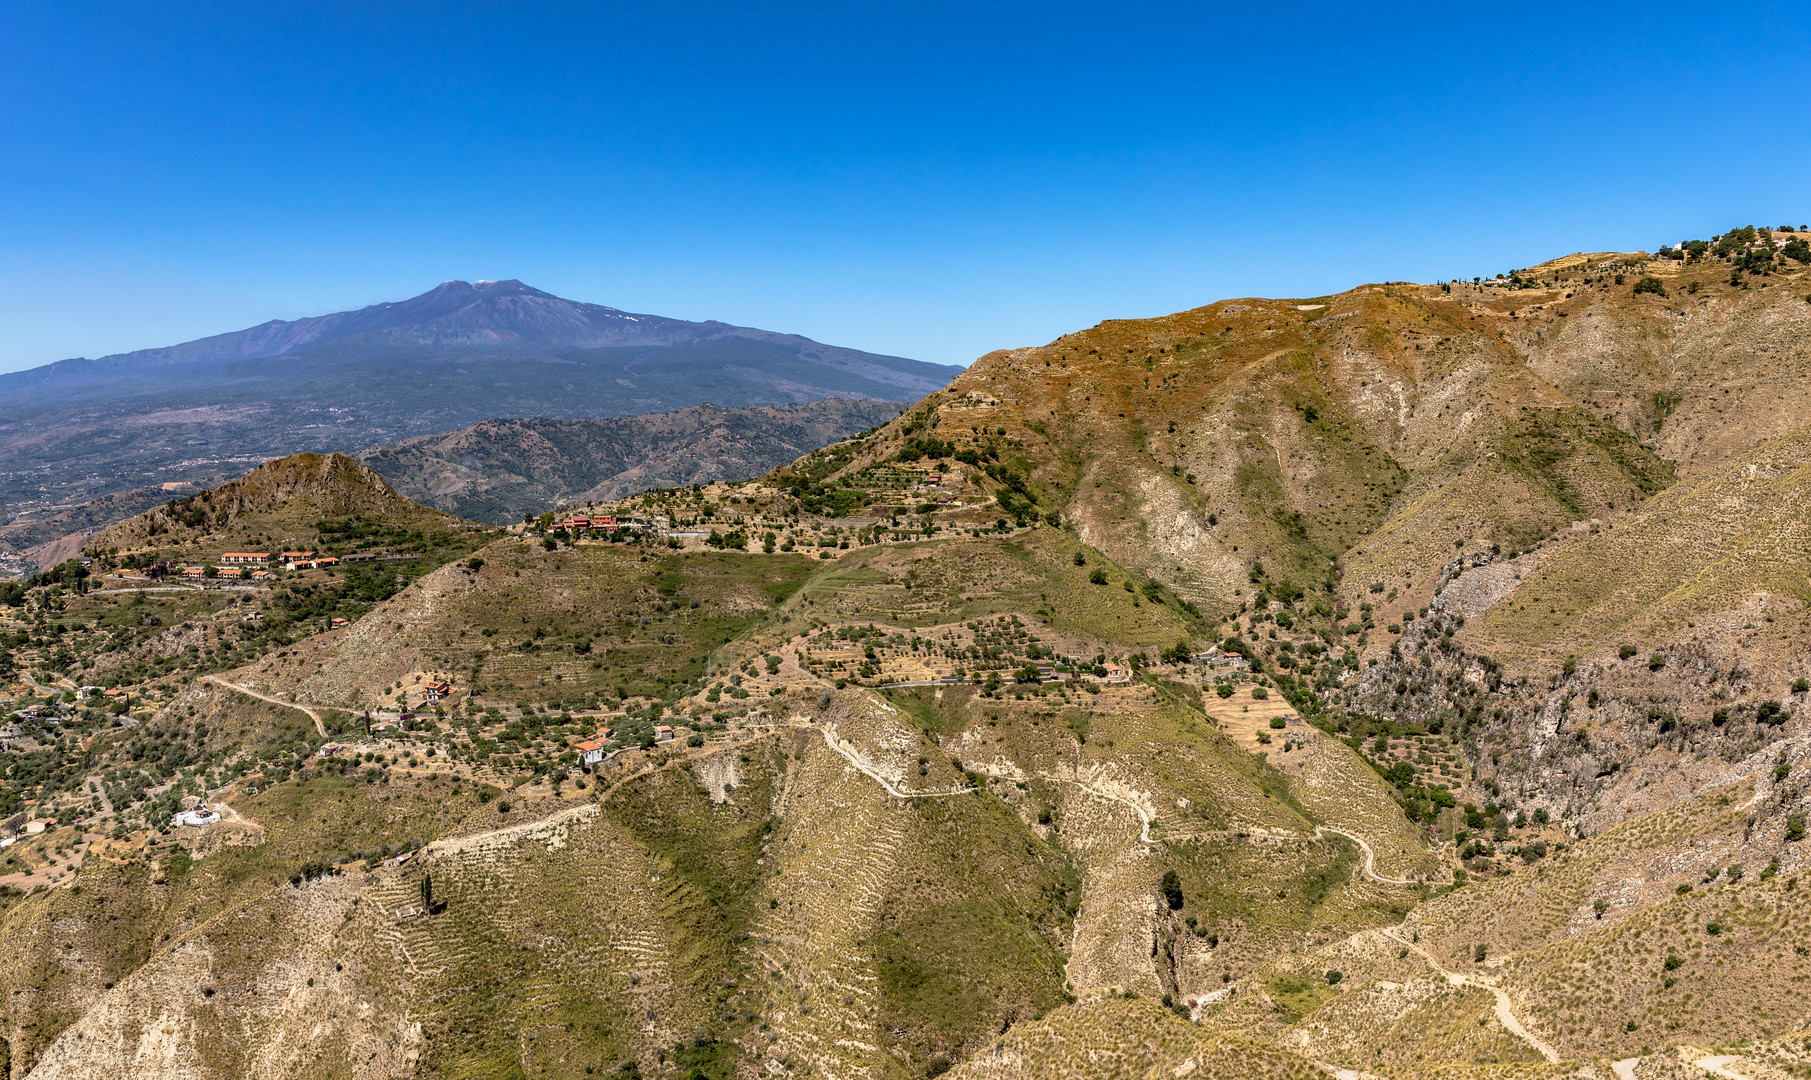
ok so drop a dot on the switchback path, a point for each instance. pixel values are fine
(312, 715)
(848, 755)
(1144, 833)
(1505, 1008)
(1370, 867)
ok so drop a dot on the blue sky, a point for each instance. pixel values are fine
(930, 181)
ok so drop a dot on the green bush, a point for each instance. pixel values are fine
(1171, 887)
(1259, 692)
(1278, 723)
(1650, 285)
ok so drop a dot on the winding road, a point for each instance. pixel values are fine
(848, 755)
(1144, 834)
(35, 683)
(312, 715)
(1719, 1066)
(1505, 1008)
(1370, 867)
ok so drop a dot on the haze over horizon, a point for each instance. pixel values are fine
(932, 184)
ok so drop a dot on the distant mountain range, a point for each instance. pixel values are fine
(498, 470)
(456, 355)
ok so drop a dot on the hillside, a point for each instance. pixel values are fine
(457, 355)
(301, 501)
(501, 469)
(1406, 683)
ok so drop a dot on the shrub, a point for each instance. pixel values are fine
(1097, 576)
(1224, 690)
(1674, 961)
(1334, 976)
(1277, 723)
(1479, 952)
(1259, 692)
(1650, 285)
(1795, 827)
(1171, 887)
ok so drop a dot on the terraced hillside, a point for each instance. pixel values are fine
(1406, 683)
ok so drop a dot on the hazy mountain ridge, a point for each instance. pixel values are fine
(498, 470)
(484, 314)
(458, 355)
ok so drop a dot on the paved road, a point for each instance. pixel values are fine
(925, 682)
(175, 588)
(47, 689)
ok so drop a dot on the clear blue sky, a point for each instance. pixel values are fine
(930, 181)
